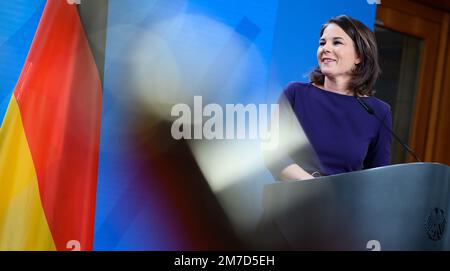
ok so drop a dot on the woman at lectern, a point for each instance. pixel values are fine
(339, 120)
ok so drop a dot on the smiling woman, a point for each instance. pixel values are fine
(344, 136)
(347, 57)
(336, 56)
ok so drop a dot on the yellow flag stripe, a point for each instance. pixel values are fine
(23, 225)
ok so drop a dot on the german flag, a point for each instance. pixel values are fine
(49, 140)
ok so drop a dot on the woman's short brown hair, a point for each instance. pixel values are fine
(367, 71)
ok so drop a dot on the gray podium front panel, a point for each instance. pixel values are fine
(398, 207)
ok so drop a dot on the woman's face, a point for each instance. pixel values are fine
(336, 53)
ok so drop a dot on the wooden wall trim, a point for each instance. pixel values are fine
(437, 91)
(430, 33)
(415, 9)
(430, 127)
(406, 23)
(425, 87)
(441, 146)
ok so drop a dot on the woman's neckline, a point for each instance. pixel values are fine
(335, 93)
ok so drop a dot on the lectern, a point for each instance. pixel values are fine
(397, 207)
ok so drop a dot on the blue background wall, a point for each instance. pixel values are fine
(18, 22)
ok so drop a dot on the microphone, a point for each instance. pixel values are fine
(372, 112)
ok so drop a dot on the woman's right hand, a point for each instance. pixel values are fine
(295, 172)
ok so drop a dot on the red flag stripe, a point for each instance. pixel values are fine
(59, 97)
